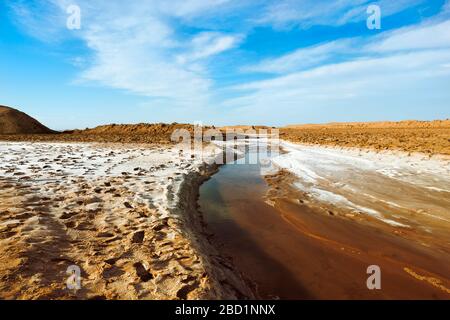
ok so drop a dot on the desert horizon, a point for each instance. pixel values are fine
(444, 123)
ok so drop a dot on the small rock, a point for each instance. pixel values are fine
(142, 272)
(128, 205)
(138, 237)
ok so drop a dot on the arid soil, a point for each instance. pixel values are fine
(429, 137)
(18, 126)
(130, 133)
(124, 211)
(126, 216)
(13, 121)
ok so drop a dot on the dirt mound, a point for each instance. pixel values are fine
(114, 133)
(158, 129)
(138, 133)
(13, 121)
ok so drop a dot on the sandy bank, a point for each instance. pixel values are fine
(399, 189)
(364, 207)
(125, 215)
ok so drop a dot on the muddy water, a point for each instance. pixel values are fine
(292, 248)
(243, 226)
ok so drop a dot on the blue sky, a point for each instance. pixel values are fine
(225, 61)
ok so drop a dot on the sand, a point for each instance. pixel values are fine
(429, 137)
(124, 215)
(13, 121)
(130, 133)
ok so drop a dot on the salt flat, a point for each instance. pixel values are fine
(400, 189)
(112, 210)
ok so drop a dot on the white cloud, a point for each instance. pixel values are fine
(133, 49)
(382, 85)
(190, 8)
(40, 19)
(429, 35)
(135, 45)
(388, 7)
(207, 44)
(306, 13)
(357, 71)
(303, 58)
(446, 7)
(410, 63)
(426, 36)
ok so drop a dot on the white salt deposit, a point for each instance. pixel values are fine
(156, 173)
(394, 187)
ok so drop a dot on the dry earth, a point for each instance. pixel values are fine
(13, 121)
(429, 137)
(126, 216)
(131, 133)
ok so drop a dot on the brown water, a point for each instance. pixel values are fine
(293, 251)
(234, 209)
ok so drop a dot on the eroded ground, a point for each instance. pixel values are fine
(114, 212)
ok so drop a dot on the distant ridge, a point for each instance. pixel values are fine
(13, 121)
(377, 125)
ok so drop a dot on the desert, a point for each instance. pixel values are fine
(429, 137)
(115, 211)
(137, 214)
(225, 158)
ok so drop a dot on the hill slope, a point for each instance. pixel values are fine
(13, 121)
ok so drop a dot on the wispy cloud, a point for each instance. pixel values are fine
(348, 89)
(303, 58)
(429, 35)
(306, 13)
(135, 46)
(426, 36)
(207, 44)
(134, 49)
(166, 50)
(358, 11)
(40, 19)
(190, 8)
(400, 64)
